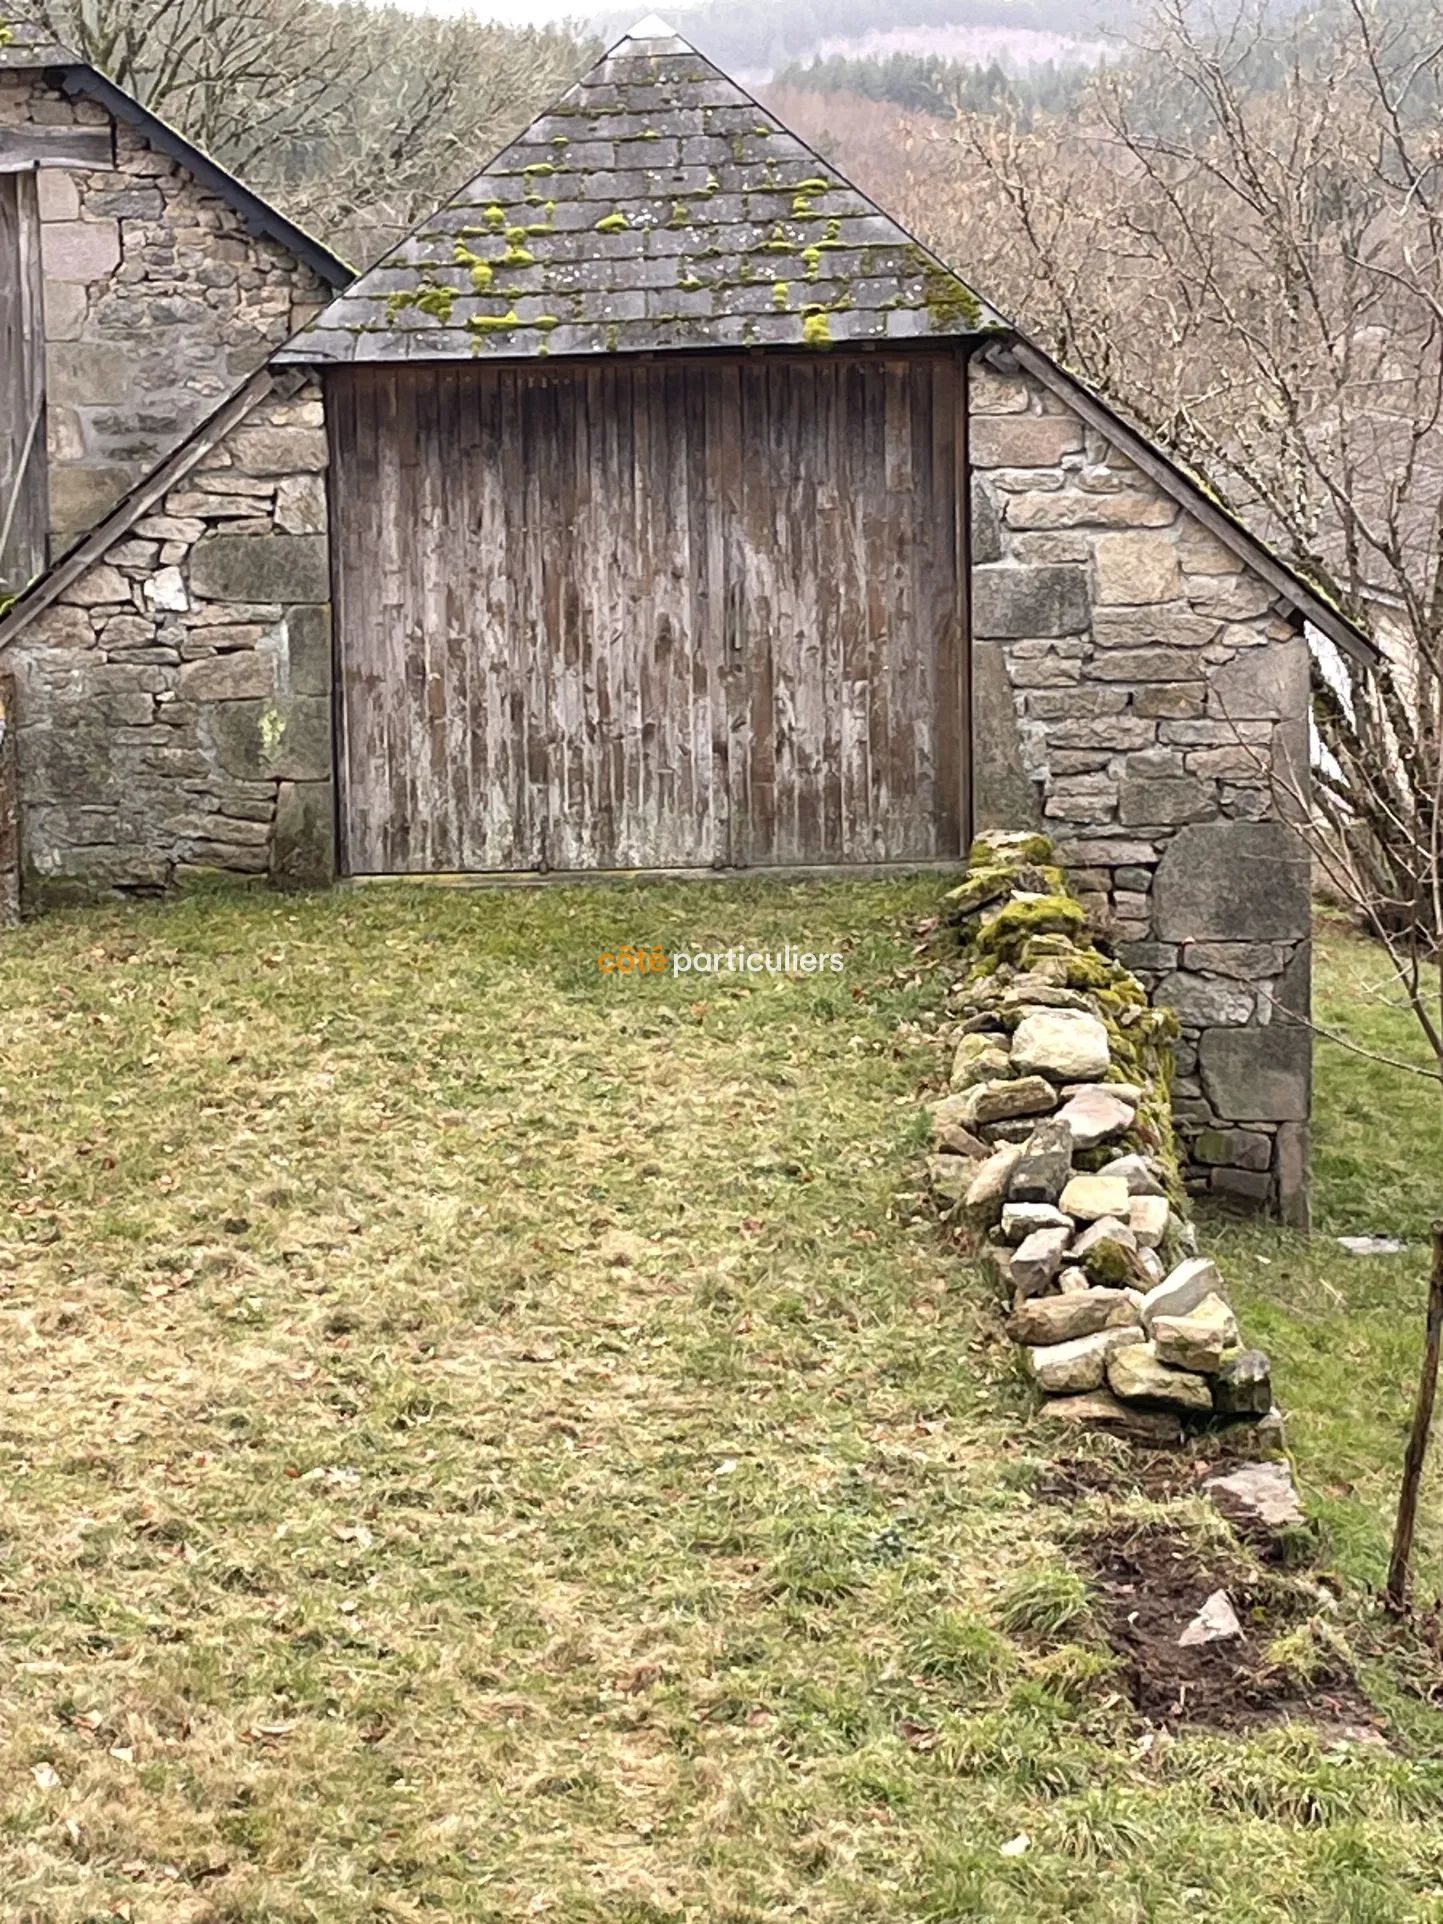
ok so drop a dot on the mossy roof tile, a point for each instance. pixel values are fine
(653, 174)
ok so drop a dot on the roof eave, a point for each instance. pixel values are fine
(259, 216)
(1218, 520)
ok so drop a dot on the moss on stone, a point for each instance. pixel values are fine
(951, 304)
(484, 324)
(616, 223)
(1109, 1265)
(1001, 845)
(1087, 969)
(1003, 938)
(982, 887)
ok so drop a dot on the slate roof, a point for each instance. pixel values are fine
(656, 206)
(24, 45)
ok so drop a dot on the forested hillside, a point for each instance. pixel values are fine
(754, 36)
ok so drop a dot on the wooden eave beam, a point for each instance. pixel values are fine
(45, 591)
(22, 148)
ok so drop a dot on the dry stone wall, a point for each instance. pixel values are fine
(175, 702)
(1055, 1151)
(1145, 698)
(158, 303)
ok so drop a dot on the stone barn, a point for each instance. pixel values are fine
(681, 513)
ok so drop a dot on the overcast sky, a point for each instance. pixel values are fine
(525, 13)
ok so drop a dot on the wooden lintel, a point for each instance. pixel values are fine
(22, 148)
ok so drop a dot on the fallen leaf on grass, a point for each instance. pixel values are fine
(46, 1776)
(918, 1736)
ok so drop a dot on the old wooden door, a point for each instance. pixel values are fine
(680, 614)
(23, 498)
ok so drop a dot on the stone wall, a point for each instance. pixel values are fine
(1057, 1146)
(158, 303)
(174, 704)
(1145, 698)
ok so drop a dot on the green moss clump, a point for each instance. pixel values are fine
(538, 168)
(814, 186)
(1010, 847)
(952, 305)
(817, 329)
(779, 243)
(813, 258)
(431, 298)
(1110, 1265)
(1086, 969)
(781, 296)
(616, 223)
(1004, 937)
(485, 324)
(496, 216)
(982, 887)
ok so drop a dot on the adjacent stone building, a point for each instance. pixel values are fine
(153, 281)
(660, 504)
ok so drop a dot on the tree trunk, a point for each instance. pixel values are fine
(1400, 1567)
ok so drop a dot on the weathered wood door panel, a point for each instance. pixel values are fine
(680, 614)
(23, 495)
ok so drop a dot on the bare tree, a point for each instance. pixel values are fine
(356, 119)
(1241, 240)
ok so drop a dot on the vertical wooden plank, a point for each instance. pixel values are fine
(9, 808)
(949, 700)
(759, 607)
(24, 502)
(724, 641)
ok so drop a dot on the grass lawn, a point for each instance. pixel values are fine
(484, 1439)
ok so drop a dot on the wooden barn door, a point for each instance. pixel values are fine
(679, 615)
(23, 494)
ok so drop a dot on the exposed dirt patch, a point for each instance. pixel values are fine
(1165, 1476)
(1161, 1475)
(1151, 1584)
